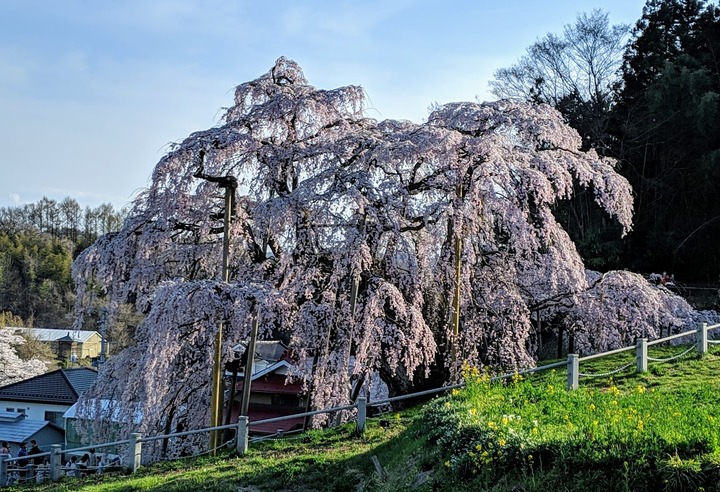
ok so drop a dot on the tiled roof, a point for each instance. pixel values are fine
(62, 386)
(55, 334)
(20, 430)
(81, 378)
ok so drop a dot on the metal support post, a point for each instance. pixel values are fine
(702, 339)
(55, 462)
(573, 371)
(135, 452)
(241, 444)
(361, 415)
(642, 354)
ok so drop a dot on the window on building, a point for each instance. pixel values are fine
(286, 400)
(55, 418)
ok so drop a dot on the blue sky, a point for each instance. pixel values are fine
(92, 91)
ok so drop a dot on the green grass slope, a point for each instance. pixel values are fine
(655, 431)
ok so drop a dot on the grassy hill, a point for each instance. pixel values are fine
(655, 431)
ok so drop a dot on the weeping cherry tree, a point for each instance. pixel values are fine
(353, 239)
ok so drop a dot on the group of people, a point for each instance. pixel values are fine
(79, 468)
(90, 462)
(22, 474)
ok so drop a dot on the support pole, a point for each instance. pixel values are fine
(361, 415)
(702, 339)
(216, 404)
(55, 462)
(103, 335)
(249, 363)
(642, 354)
(241, 443)
(3, 469)
(573, 371)
(134, 452)
(457, 250)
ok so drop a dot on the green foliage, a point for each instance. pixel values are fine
(638, 435)
(7, 318)
(681, 474)
(38, 242)
(35, 282)
(653, 433)
(670, 137)
(35, 349)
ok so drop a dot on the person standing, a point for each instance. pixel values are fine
(22, 463)
(34, 449)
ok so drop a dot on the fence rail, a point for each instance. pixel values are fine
(53, 469)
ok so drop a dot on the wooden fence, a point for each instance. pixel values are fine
(52, 467)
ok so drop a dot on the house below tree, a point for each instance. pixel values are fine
(69, 345)
(271, 393)
(274, 394)
(16, 427)
(48, 396)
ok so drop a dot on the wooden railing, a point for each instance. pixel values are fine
(54, 469)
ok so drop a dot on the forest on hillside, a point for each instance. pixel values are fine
(38, 242)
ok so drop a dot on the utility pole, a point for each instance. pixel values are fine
(229, 183)
(457, 267)
(103, 334)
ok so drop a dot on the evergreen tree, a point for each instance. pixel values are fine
(669, 139)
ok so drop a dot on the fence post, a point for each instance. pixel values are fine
(642, 349)
(361, 415)
(55, 462)
(241, 441)
(702, 340)
(3, 469)
(573, 371)
(135, 452)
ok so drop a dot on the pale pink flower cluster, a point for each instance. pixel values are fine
(334, 203)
